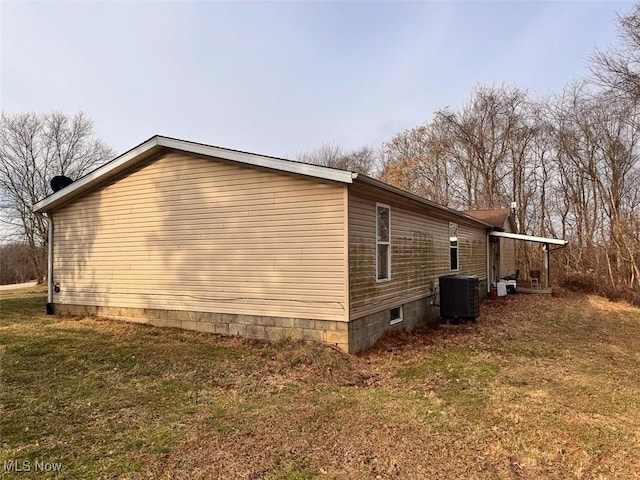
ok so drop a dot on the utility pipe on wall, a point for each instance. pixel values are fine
(50, 263)
(489, 276)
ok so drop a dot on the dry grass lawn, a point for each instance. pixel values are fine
(540, 387)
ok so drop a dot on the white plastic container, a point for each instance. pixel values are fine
(512, 284)
(502, 289)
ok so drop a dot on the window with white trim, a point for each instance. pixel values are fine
(383, 242)
(453, 246)
(395, 316)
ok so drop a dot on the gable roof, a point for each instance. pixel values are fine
(158, 143)
(495, 217)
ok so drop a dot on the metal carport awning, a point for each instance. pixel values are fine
(531, 238)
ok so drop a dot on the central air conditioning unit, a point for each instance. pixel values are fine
(459, 297)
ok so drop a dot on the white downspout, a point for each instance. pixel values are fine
(50, 260)
(489, 278)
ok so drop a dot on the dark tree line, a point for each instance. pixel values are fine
(15, 264)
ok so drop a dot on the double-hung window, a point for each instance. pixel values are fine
(383, 242)
(453, 246)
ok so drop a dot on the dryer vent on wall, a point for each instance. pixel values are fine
(459, 296)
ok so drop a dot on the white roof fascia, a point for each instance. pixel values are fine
(529, 238)
(316, 171)
(130, 158)
(113, 166)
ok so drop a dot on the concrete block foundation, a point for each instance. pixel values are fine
(250, 326)
(365, 331)
(355, 336)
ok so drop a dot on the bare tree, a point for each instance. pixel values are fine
(33, 149)
(483, 137)
(362, 160)
(474, 157)
(416, 160)
(618, 68)
(597, 159)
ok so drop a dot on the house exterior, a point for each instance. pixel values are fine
(502, 251)
(180, 234)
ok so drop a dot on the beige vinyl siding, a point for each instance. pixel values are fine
(199, 234)
(419, 250)
(472, 244)
(507, 253)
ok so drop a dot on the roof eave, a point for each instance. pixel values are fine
(108, 170)
(310, 170)
(424, 201)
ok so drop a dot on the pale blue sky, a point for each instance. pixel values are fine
(281, 78)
